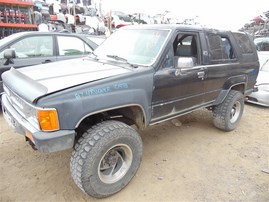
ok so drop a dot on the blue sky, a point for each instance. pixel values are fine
(228, 14)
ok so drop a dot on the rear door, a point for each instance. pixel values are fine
(222, 62)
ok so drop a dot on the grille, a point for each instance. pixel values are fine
(22, 107)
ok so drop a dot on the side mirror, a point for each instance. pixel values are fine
(186, 62)
(9, 55)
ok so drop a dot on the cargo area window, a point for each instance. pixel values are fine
(243, 42)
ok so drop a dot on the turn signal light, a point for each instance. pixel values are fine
(48, 119)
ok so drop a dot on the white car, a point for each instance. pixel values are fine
(261, 96)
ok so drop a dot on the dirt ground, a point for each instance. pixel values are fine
(186, 159)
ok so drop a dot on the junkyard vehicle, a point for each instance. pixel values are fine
(261, 94)
(120, 19)
(139, 76)
(32, 48)
(262, 43)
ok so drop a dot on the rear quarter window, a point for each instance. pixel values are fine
(243, 42)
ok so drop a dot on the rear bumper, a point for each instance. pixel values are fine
(259, 98)
(43, 141)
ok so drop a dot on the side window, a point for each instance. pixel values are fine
(228, 47)
(36, 46)
(243, 42)
(185, 46)
(72, 46)
(220, 48)
(216, 48)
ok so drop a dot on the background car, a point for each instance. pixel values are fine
(33, 48)
(262, 43)
(261, 96)
(120, 19)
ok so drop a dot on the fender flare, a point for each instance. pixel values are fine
(229, 84)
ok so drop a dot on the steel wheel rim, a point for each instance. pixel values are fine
(235, 112)
(115, 163)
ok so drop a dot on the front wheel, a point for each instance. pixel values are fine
(227, 115)
(106, 158)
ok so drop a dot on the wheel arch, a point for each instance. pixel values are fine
(129, 114)
(241, 87)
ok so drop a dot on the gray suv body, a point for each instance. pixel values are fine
(141, 75)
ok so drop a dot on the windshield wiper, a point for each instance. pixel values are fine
(117, 58)
(121, 59)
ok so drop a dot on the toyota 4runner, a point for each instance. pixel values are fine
(140, 76)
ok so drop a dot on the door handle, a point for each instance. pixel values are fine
(201, 74)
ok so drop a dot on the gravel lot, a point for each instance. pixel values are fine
(186, 159)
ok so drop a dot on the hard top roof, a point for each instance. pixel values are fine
(172, 27)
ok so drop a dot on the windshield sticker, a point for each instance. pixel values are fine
(103, 90)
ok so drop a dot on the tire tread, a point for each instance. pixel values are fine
(220, 111)
(87, 141)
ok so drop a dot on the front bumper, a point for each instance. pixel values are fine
(1, 87)
(43, 141)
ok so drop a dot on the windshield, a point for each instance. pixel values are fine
(140, 47)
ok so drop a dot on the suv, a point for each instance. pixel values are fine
(140, 76)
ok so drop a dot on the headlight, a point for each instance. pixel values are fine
(263, 87)
(48, 119)
(42, 119)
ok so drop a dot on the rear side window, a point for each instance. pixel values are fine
(243, 42)
(72, 46)
(220, 48)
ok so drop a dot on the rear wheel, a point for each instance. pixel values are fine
(106, 158)
(227, 115)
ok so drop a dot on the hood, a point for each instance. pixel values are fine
(35, 81)
(60, 75)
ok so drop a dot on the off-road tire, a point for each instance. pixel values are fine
(106, 147)
(227, 115)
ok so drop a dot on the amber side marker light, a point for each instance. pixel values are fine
(48, 119)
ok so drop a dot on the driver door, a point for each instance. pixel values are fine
(178, 89)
